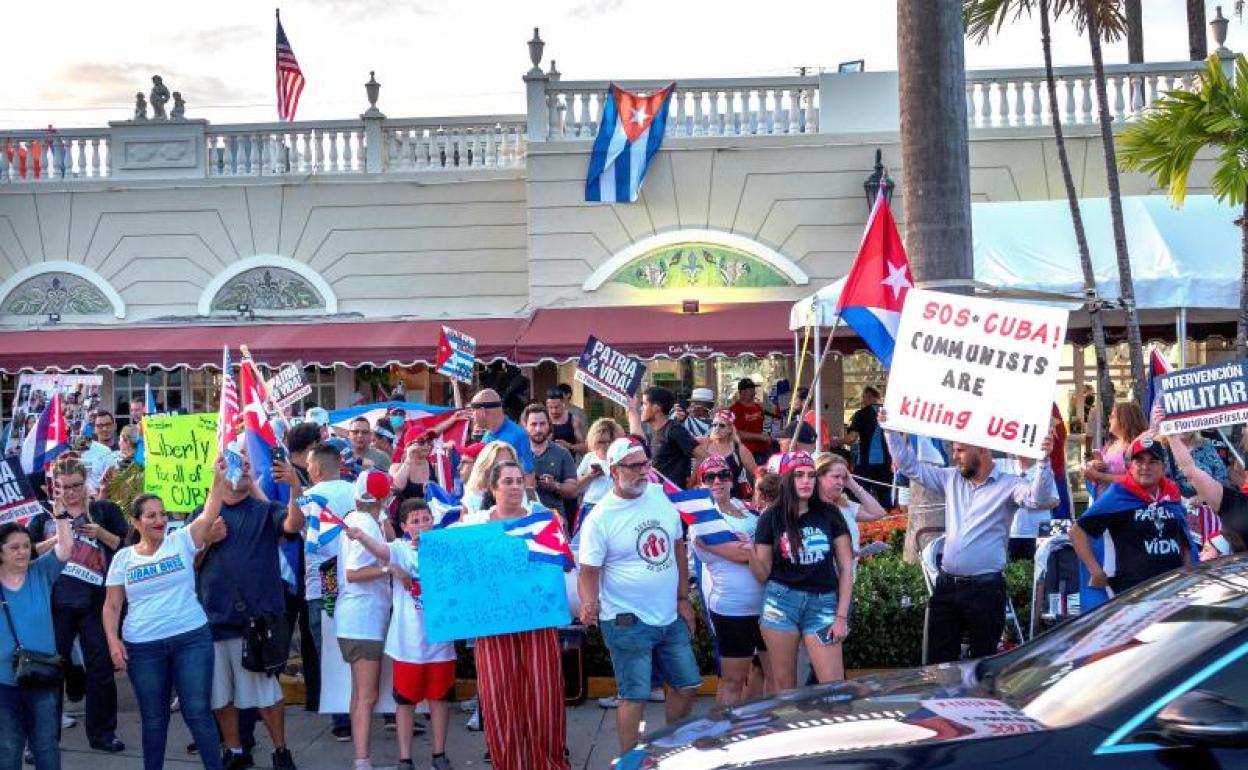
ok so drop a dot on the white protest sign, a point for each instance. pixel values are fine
(1122, 627)
(984, 717)
(977, 371)
(288, 387)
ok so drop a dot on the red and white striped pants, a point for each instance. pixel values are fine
(520, 685)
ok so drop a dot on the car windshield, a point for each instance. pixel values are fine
(1099, 660)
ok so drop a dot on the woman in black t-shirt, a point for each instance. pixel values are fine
(802, 551)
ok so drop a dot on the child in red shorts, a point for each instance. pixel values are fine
(423, 670)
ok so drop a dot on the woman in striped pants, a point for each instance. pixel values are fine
(519, 675)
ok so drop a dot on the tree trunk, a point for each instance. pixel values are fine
(1241, 328)
(931, 64)
(1135, 31)
(1103, 384)
(1125, 283)
(1197, 43)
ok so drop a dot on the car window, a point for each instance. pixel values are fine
(1096, 662)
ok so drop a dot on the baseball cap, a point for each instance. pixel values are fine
(702, 394)
(1147, 444)
(746, 383)
(318, 415)
(372, 486)
(621, 448)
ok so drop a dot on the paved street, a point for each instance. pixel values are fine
(591, 739)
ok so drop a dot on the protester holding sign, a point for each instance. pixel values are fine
(1229, 503)
(78, 597)
(520, 679)
(423, 670)
(167, 646)
(980, 502)
(1144, 521)
(802, 551)
(30, 712)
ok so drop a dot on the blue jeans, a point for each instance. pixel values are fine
(637, 649)
(796, 611)
(30, 715)
(315, 606)
(182, 662)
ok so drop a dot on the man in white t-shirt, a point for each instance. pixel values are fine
(329, 492)
(362, 609)
(634, 583)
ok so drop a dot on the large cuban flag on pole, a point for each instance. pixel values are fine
(631, 131)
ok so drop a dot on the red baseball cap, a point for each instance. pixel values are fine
(373, 486)
(1147, 444)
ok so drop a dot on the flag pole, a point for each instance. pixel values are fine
(268, 397)
(814, 379)
(801, 359)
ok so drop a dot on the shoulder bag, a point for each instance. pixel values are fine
(31, 669)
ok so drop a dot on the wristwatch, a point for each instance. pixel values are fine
(63, 516)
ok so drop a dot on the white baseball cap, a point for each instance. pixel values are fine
(702, 394)
(622, 448)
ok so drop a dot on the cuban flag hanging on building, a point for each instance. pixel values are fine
(630, 133)
(48, 440)
(543, 534)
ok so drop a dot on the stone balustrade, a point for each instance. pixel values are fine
(716, 107)
(1019, 97)
(559, 111)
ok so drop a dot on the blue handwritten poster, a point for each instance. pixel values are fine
(478, 581)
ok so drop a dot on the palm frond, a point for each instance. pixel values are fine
(1110, 20)
(982, 18)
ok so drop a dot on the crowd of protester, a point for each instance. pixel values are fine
(199, 614)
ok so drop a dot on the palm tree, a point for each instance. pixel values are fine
(1178, 126)
(931, 66)
(1103, 19)
(982, 17)
(1197, 43)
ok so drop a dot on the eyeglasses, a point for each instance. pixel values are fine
(485, 405)
(640, 465)
(717, 476)
(78, 485)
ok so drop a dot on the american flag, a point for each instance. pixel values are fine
(289, 76)
(228, 412)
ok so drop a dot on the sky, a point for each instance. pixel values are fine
(84, 64)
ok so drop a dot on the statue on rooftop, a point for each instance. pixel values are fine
(179, 107)
(140, 106)
(160, 97)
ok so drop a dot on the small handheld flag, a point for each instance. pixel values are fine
(456, 354)
(48, 440)
(445, 507)
(543, 534)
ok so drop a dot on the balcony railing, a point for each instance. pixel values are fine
(561, 111)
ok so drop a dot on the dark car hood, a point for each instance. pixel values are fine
(925, 705)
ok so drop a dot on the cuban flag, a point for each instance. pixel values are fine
(258, 435)
(877, 284)
(323, 524)
(456, 354)
(444, 453)
(702, 516)
(48, 440)
(445, 507)
(543, 534)
(631, 131)
(1157, 366)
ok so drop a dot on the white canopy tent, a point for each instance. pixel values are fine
(1184, 261)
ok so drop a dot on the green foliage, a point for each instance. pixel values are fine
(1019, 584)
(886, 629)
(1165, 142)
(985, 17)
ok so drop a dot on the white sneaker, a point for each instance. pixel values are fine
(175, 706)
(609, 702)
(474, 721)
(469, 705)
(657, 695)
(67, 721)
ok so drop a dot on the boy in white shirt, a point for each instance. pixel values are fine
(423, 670)
(362, 609)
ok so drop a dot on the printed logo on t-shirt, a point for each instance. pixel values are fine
(413, 590)
(815, 547)
(1160, 517)
(654, 546)
(157, 569)
(86, 561)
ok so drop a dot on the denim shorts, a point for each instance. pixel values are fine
(797, 611)
(636, 647)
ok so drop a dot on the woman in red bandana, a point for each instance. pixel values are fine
(802, 551)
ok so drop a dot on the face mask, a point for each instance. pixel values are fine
(396, 421)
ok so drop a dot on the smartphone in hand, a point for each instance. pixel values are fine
(825, 637)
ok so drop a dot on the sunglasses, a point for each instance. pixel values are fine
(485, 405)
(717, 476)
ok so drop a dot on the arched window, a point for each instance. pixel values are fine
(269, 284)
(59, 288)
